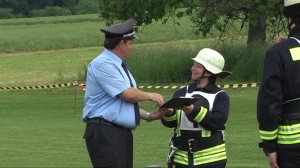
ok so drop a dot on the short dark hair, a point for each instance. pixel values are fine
(212, 79)
(296, 20)
(111, 43)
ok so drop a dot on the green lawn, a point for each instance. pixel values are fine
(46, 50)
(77, 31)
(68, 65)
(36, 34)
(41, 128)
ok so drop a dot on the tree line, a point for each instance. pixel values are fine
(34, 8)
(259, 17)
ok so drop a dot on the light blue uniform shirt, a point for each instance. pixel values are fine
(106, 79)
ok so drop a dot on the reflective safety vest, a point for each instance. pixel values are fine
(216, 153)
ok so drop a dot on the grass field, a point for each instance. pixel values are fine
(42, 128)
(67, 65)
(151, 63)
(47, 50)
(45, 33)
(39, 128)
(36, 34)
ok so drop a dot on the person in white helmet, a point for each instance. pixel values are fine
(278, 103)
(198, 139)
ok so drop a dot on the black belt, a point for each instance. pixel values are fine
(293, 116)
(194, 145)
(291, 107)
(291, 110)
(104, 122)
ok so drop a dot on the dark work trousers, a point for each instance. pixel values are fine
(109, 146)
(289, 158)
(216, 166)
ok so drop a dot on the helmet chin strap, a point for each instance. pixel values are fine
(201, 77)
(290, 24)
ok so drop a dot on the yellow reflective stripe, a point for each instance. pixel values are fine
(211, 158)
(295, 53)
(181, 157)
(201, 115)
(268, 135)
(181, 153)
(289, 129)
(178, 115)
(205, 133)
(170, 118)
(210, 151)
(288, 139)
(181, 160)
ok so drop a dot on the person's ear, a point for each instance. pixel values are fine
(207, 73)
(121, 44)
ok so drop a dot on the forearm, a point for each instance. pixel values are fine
(135, 95)
(143, 114)
(155, 115)
(212, 120)
(170, 120)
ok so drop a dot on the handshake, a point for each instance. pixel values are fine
(157, 114)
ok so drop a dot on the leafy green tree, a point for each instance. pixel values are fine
(206, 15)
(5, 13)
(87, 6)
(39, 4)
(17, 6)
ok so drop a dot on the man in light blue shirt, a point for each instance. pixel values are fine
(111, 108)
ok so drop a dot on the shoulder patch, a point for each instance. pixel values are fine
(295, 53)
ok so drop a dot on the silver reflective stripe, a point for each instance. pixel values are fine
(295, 39)
(268, 135)
(289, 129)
(288, 139)
(291, 100)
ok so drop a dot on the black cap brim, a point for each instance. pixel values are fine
(224, 74)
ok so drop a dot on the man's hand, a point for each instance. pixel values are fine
(188, 109)
(160, 113)
(166, 111)
(272, 159)
(155, 97)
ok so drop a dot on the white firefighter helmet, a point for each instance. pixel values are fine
(291, 8)
(212, 61)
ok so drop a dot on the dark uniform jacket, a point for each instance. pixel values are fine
(199, 136)
(280, 83)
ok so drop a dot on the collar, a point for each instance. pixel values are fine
(295, 32)
(113, 56)
(210, 88)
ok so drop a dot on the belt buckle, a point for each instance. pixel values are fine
(190, 142)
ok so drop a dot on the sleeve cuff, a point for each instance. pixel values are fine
(198, 113)
(171, 117)
(269, 146)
